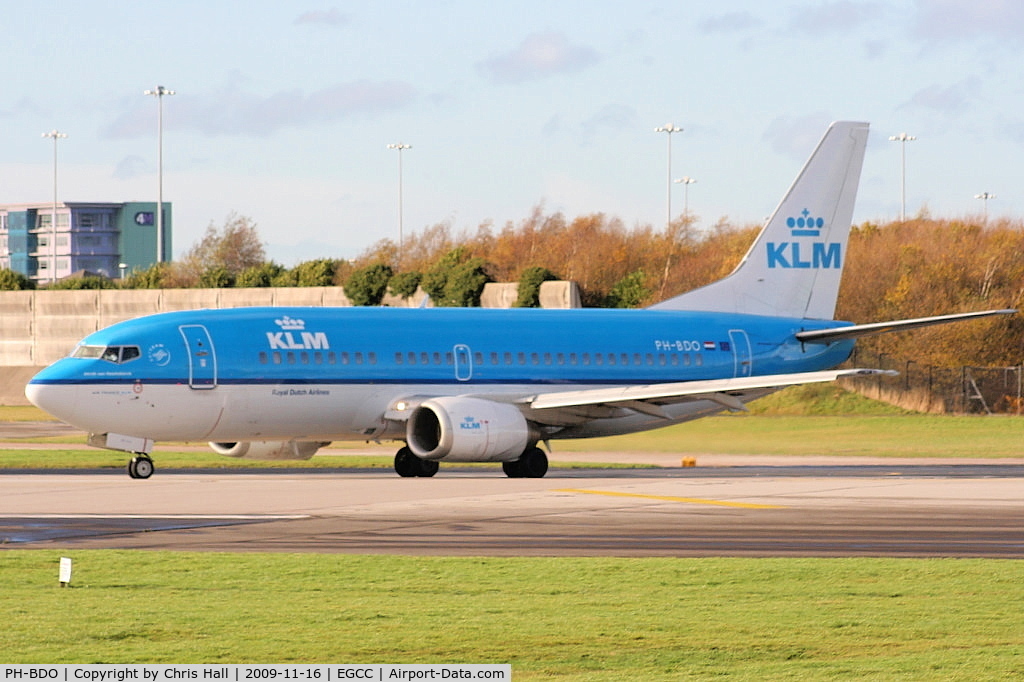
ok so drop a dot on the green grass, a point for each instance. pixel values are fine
(914, 435)
(586, 619)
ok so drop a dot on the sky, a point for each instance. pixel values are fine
(283, 110)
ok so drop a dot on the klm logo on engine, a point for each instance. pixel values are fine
(293, 336)
(805, 254)
(470, 424)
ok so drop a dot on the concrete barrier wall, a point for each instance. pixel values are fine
(40, 327)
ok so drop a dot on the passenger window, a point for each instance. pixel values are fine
(277, 357)
(398, 358)
(263, 357)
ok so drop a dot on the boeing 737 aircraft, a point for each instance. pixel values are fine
(473, 385)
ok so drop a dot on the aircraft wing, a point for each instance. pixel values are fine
(858, 330)
(570, 406)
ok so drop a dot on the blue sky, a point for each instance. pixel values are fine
(284, 109)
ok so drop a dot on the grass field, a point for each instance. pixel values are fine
(586, 619)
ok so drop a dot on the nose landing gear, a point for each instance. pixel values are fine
(140, 466)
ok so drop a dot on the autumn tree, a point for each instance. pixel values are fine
(235, 247)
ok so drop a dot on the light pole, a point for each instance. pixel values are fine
(669, 128)
(400, 147)
(903, 139)
(159, 92)
(55, 135)
(686, 181)
(985, 196)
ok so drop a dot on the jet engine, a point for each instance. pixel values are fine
(468, 430)
(269, 449)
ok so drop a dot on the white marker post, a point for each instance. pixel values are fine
(65, 571)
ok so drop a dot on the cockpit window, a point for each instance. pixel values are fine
(115, 354)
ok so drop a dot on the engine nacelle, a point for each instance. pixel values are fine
(269, 449)
(467, 430)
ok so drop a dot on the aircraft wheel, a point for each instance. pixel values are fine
(513, 469)
(428, 468)
(140, 466)
(406, 464)
(534, 463)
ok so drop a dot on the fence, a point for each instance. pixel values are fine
(926, 388)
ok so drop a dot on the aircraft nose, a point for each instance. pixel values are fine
(56, 399)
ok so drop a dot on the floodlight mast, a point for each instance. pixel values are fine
(54, 135)
(686, 181)
(985, 196)
(400, 147)
(903, 139)
(159, 92)
(669, 128)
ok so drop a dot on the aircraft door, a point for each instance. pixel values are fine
(463, 362)
(202, 361)
(743, 361)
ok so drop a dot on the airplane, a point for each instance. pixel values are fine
(482, 385)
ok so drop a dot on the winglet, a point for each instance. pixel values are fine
(795, 264)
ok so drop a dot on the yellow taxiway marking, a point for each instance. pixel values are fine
(669, 498)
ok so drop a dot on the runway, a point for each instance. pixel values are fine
(793, 507)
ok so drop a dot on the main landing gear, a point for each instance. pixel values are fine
(531, 464)
(408, 465)
(140, 466)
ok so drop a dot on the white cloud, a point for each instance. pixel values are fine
(329, 17)
(232, 111)
(955, 98)
(539, 56)
(843, 15)
(954, 20)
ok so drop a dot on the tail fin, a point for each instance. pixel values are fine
(795, 264)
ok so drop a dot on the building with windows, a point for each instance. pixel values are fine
(106, 238)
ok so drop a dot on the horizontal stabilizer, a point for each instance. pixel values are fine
(858, 330)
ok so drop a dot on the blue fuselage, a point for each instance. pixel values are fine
(332, 372)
